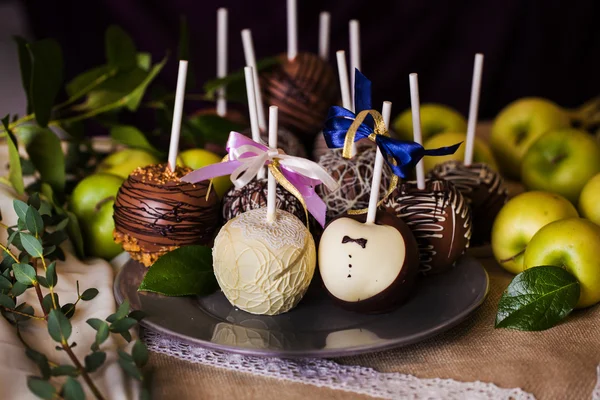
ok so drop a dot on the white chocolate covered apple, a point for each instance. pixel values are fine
(368, 267)
(264, 267)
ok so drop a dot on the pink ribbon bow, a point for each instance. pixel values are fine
(247, 157)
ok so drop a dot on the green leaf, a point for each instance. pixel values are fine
(25, 66)
(61, 225)
(139, 353)
(102, 333)
(184, 271)
(68, 309)
(33, 221)
(20, 208)
(213, 128)
(59, 326)
(126, 335)
(95, 323)
(89, 294)
(120, 50)
(62, 370)
(46, 154)
(235, 82)
(46, 77)
(74, 232)
(24, 273)
(537, 299)
(131, 136)
(15, 173)
(72, 390)
(42, 281)
(94, 361)
(138, 315)
(23, 308)
(144, 60)
(123, 325)
(31, 244)
(7, 302)
(40, 360)
(121, 312)
(134, 99)
(41, 388)
(130, 369)
(5, 284)
(88, 80)
(51, 276)
(47, 302)
(18, 289)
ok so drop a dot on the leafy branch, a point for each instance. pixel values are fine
(35, 241)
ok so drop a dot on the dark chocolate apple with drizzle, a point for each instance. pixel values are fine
(368, 268)
(155, 212)
(482, 188)
(439, 218)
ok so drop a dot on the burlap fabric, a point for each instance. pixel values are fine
(559, 363)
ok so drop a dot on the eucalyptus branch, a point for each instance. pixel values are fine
(13, 311)
(86, 377)
(40, 297)
(10, 253)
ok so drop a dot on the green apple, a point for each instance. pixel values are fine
(481, 151)
(571, 244)
(98, 231)
(518, 125)
(123, 162)
(198, 158)
(589, 200)
(520, 219)
(435, 118)
(92, 190)
(561, 161)
(91, 201)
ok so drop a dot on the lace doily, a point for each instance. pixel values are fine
(286, 231)
(326, 373)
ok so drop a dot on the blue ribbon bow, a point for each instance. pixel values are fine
(401, 155)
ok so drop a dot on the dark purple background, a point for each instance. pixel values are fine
(533, 48)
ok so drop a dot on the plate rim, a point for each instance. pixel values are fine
(321, 353)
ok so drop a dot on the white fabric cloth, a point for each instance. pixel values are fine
(15, 367)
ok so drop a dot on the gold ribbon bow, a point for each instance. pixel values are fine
(379, 129)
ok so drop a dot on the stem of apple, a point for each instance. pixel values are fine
(513, 257)
(102, 202)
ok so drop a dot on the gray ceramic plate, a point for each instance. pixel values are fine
(317, 327)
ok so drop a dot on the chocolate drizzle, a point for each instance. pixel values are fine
(439, 218)
(160, 212)
(482, 188)
(303, 89)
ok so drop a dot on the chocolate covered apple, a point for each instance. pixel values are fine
(439, 218)
(155, 212)
(368, 268)
(482, 188)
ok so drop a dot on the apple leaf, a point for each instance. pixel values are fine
(25, 66)
(120, 50)
(45, 152)
(235, 84)
(131, 136)
(15, 172)
(211, 128)
(184, 271)
(46, 77)
(537, 299)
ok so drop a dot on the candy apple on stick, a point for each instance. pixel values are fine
(156, 211)
(368, 263)
(286, 139)
(302, 85)
(433, 209)
(268, 243)
(481, 186)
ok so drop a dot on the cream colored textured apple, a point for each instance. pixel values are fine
(261, 267)
(362, 260)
